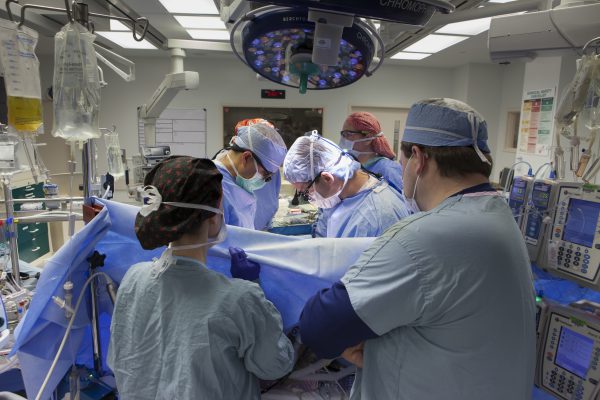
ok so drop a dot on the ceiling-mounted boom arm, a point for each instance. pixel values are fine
(176, 80)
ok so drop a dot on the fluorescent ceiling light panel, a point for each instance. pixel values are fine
(500, 1)
(473, 27)
(434, 43)
(126, 40)
(118, 26)
(190, 6)
(193, 22)
(209, 34)
(402, 55)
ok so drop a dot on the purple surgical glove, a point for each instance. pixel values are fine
(241, 267)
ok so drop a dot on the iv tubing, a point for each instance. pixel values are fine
(68, 331)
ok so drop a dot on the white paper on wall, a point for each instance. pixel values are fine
(184, 130)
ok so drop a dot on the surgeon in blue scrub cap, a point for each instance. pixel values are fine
(442, 305)
(251, 160)
(355, 203)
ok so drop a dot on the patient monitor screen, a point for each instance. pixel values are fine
(574, 352)
(582, 218)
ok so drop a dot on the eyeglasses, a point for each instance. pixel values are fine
(347, 133)
(266, 175)
(304, 193)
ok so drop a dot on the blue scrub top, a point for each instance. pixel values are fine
(192, 333)
(367, 214)
(239, 206)
(267, 202)
(390, 170)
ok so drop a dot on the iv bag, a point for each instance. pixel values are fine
(573, 98)
(76, 89)
(113, 152)
(21, 76)
(591, 111)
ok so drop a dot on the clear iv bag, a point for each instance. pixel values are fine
(113, 152)
(76, 89)
(21, 76)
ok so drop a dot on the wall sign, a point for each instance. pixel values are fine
(537, 122)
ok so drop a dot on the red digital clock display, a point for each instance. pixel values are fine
(272, 94)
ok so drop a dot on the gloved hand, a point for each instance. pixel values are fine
(241, 267)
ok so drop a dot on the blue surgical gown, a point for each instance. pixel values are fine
(366, 214)
(239, 206)
(390, 170)
(449, 293)
(267, 202)
(192, 333)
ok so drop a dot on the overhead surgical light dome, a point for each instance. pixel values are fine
(325, 48)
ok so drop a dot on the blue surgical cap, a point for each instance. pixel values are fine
(446, 122)
(311, 155)
(265, 142)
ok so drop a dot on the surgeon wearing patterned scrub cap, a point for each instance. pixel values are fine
(180, 330)
(361, 136)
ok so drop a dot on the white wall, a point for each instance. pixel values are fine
(512, 88)
(224, 81)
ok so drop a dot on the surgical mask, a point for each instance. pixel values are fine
(411, 203)
(319, 201)
(348, 144)
(154, 201)
(248, 184)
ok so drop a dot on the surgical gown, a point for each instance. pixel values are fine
(267, 202)
(366, 214)
(447, 303)
(390, 170)
(239, 206)
(192, 333)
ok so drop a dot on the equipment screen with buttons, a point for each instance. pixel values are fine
(518, 196)
(574, 244)
(569, 360)
(543, 194)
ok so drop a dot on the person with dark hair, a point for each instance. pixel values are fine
(362, 136)
(442, 305)
(248, 163)
(180, 330)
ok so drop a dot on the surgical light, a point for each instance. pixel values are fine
(292, 44)
(282, 51)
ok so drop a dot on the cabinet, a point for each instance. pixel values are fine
(32, 239)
